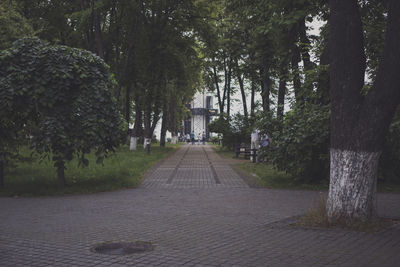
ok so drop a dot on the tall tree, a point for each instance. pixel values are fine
(359, 120)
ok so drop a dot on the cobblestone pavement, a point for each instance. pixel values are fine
(197, 211)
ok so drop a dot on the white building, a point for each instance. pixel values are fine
(202, 112)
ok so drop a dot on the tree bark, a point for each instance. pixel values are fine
(241, 85)
(352, 185)
(306, 45)
(265, 84)
(174, 138)
(228, 92)
(252, 100)
(359, 124)
(220, 104)
(164, 126)
(1, 174)
(128, 103)
(295, 72)
(281, 91)
(137, 127)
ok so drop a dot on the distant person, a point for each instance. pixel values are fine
(192, 137)
(203, 138)
(265, 141)
(188, 138)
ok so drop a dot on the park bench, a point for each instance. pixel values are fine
(246, 151)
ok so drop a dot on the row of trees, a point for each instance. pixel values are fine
(67, 107)
(338, 122)
(150, 46)
(161, 50)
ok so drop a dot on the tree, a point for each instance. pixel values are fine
(12, 25)
(360, 119)
(61, 98)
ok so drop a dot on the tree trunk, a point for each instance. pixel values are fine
(127, 64)
(220, 104)
(265, 84)
(359, 124)
(1, 174)
(128, 103)
(137, 127)
(164, 126)
(306, 45)
(147, 119)
(228, 93)
(295, 72)
(352, 184)
(133, 143)
(241, 85)
(225, 85)
(60, 173)
(252, 100)
(281, 91)
(174, 138)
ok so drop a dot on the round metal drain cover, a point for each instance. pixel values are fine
(123, 248)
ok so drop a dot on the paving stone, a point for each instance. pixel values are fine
(197, 211)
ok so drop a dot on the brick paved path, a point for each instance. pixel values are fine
(198, 212)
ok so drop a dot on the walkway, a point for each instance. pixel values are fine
(198, 212)
(195, 166)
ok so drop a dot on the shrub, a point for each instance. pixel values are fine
(62, 98)
(234, 130)
(300, 144)
(389, 168)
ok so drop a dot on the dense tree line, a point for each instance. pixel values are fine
(338, 123)
(150, 46)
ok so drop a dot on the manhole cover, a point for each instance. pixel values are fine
(123, 248)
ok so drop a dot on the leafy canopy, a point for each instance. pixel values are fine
(61, 98)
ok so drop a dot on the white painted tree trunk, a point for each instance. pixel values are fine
(133, 143)
(352, 188)
(147, 141)
(174, 140)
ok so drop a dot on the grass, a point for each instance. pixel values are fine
(269, 177)
(124, 169)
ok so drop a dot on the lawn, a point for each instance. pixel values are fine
(269, 177)
(124, 169)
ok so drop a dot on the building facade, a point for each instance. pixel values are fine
(202, 112)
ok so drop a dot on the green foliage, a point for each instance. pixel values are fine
(13, 26)
(235, 131)
(60, 97)
(270, 177)
(374, 18)
(389, 168)
(300, 145)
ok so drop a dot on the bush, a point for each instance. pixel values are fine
(62, 98)
(389, 168)
(234, 130)
(300, 144)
